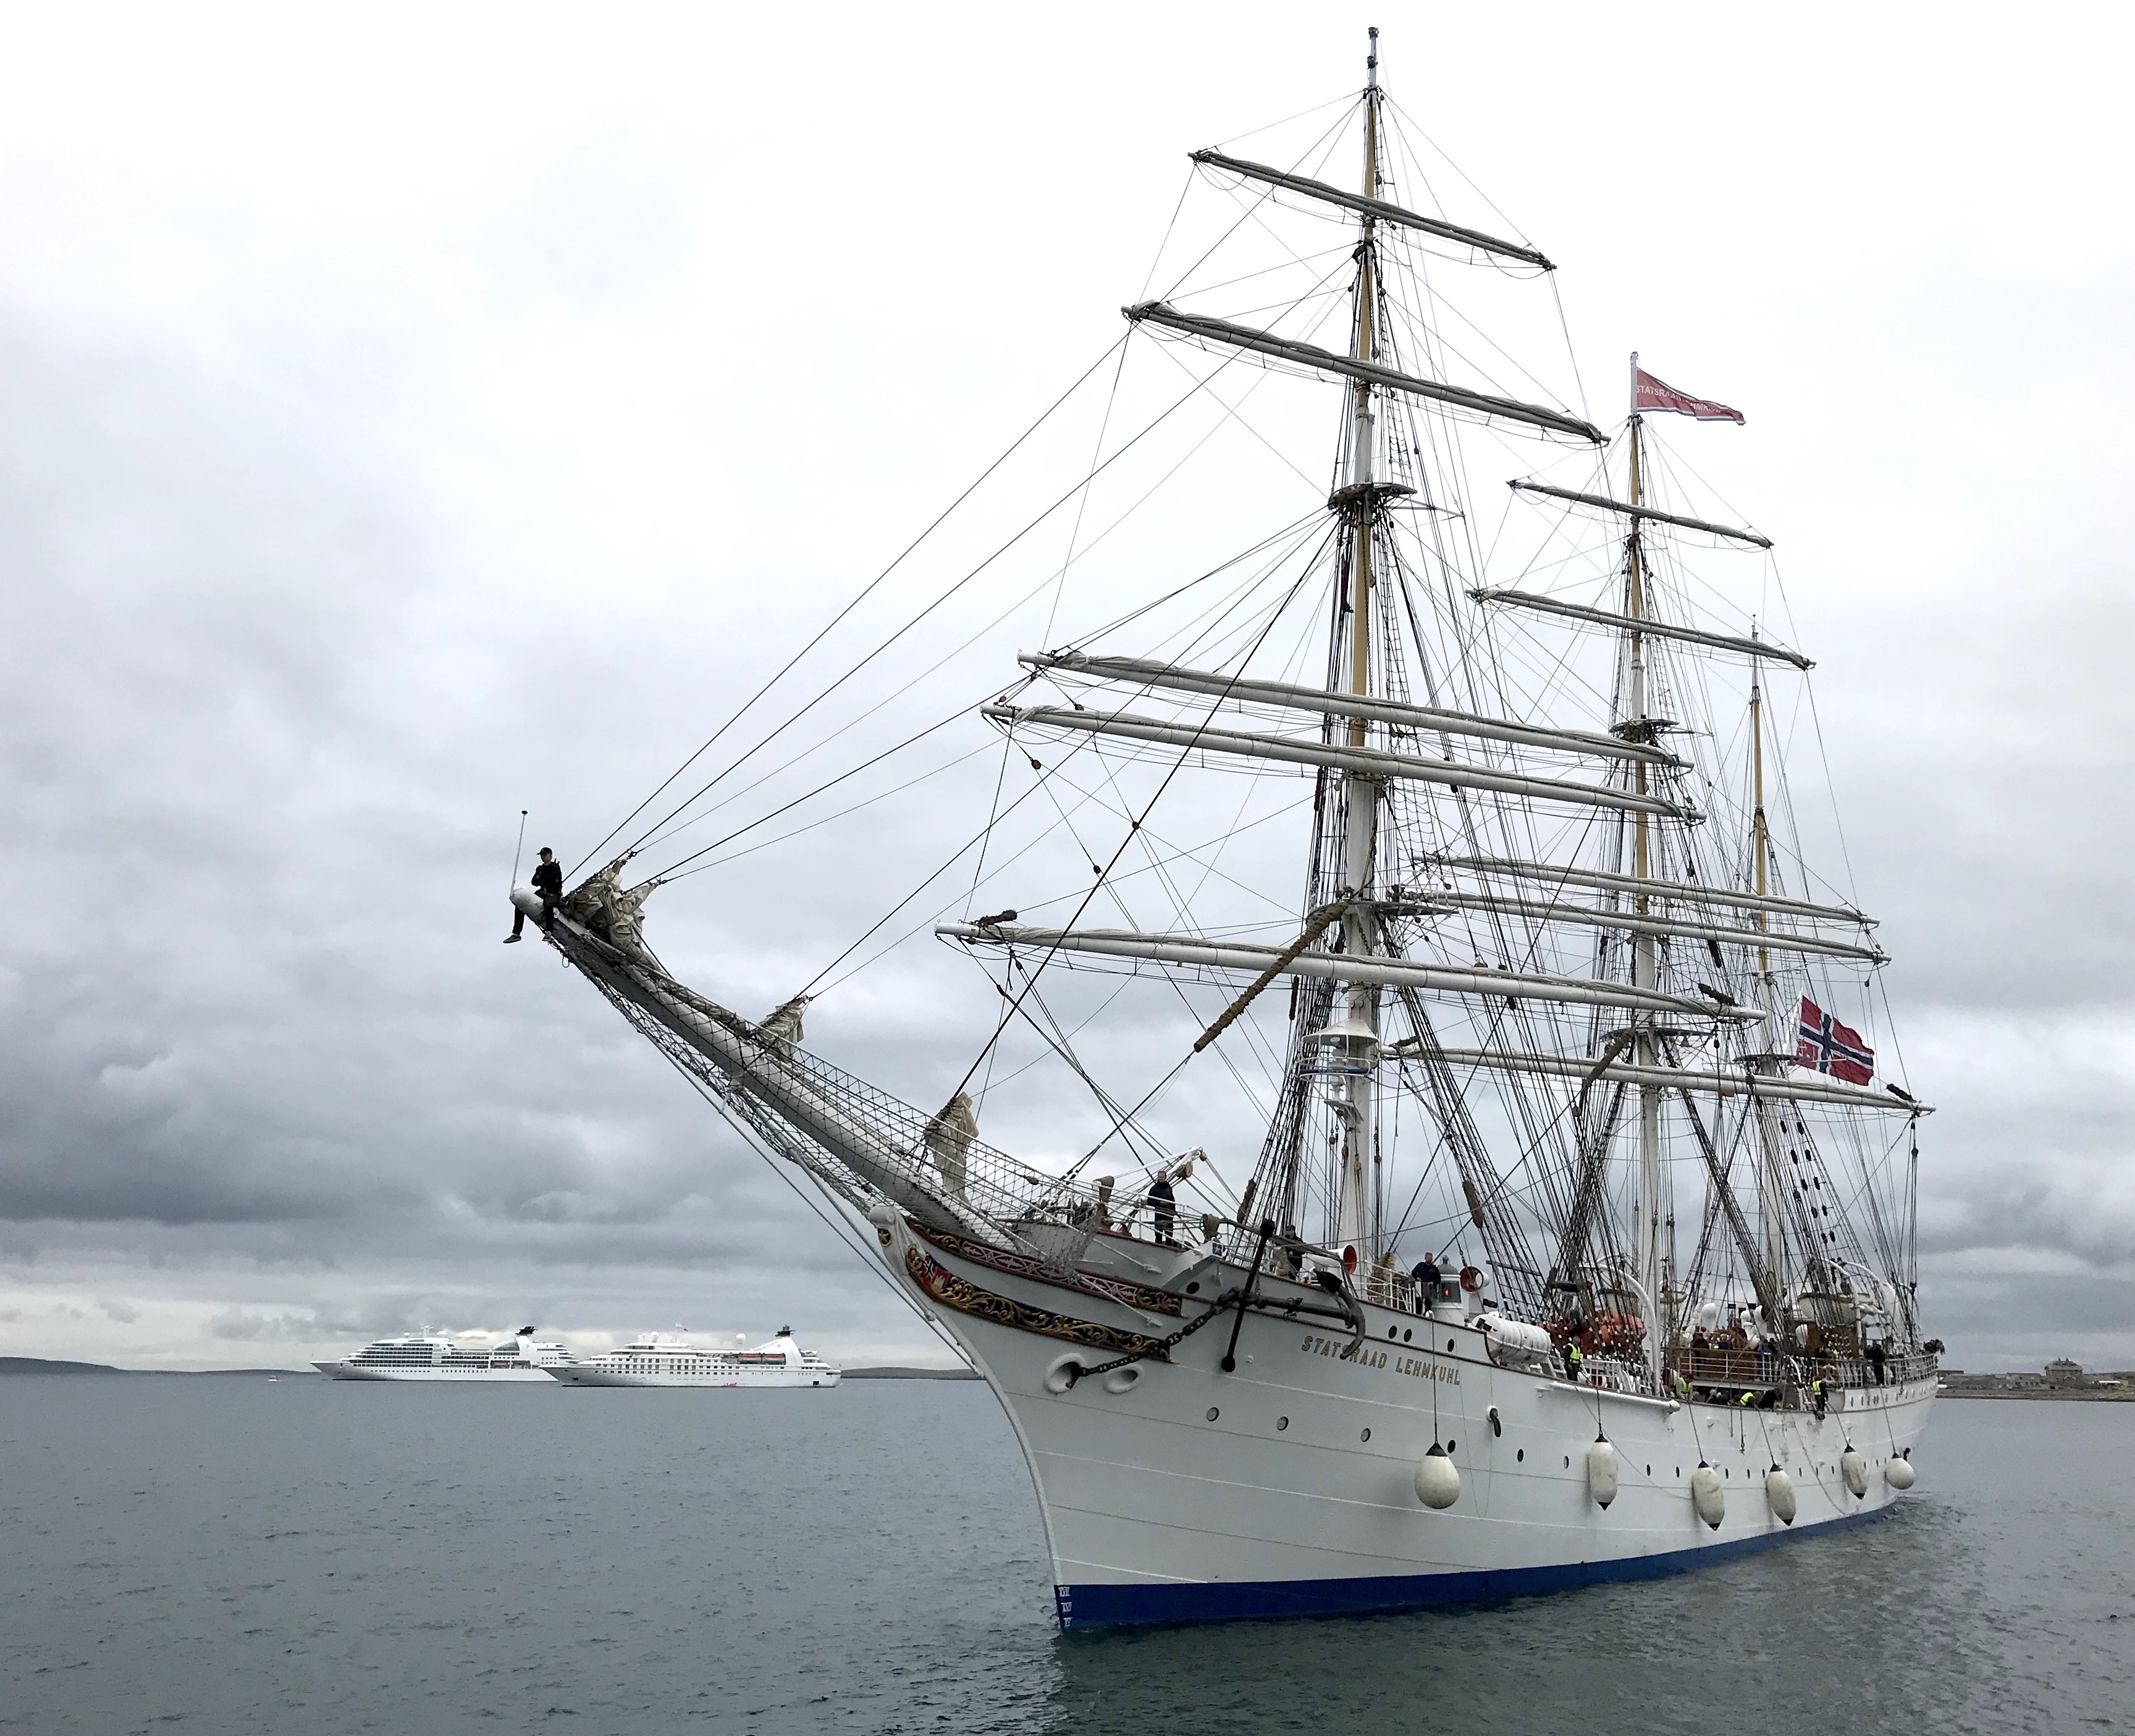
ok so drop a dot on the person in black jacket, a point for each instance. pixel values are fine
(548, 882)
(1162, 1204)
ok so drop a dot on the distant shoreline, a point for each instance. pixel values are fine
(41, 1365)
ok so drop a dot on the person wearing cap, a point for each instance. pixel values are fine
(548, 882)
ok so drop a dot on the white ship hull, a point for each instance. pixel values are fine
(452, 1377)
(582, 1375)
(1182, 1494)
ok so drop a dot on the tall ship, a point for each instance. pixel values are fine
(1579, 1243)
(428, 1356)
(656, 1362)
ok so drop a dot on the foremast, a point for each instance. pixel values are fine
(1355, 1031)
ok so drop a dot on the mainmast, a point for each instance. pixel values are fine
(1647, 1231)
(1356, 1028)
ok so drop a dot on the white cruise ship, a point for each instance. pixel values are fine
(656, 1362)
(422, 1356)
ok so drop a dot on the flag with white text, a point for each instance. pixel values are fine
(1652, 393)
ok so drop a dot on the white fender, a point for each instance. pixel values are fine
(1706, 1495)
(1601, 1473)
(1854, 1469)
(1437, 1479)
(1899, 1473)
(1779, 1494)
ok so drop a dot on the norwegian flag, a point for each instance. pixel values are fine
(1833, 1048)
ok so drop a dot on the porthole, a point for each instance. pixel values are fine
(1213, 1413)
(1390, 1331)
(1194, 1289)
(1365, 1436)
(1567, 1461)
(1649, 1471)
(1521, 1457)
(1404, 1337)
(1282, 1423)
(1449, 1443)
(1449, 1344)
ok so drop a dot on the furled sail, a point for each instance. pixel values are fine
(1651, 514)
(1645, 625)
(1369, 373)
(1379, 209)
(1232, 955)
(1371, 762)
(1424, 719)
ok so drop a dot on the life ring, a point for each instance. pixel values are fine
(1471, 1279)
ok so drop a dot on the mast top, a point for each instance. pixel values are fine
(1372, 59)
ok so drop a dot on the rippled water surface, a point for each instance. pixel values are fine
(227, 1554)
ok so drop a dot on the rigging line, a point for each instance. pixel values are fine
(993, 814)
(882, 922)
(1156, 260)
(1232, 412)
(1267, 193)
(1134, 827)
(1147, 1097)
(665, 831)
(1106, 1100)
(1570, 354)
(1348, 99)
(754, 1142)
(1090, 1019)
(849, 606)
(1082, 506)
(1190, 853)
(814, 825)
(1156, 864)
(668, 873)
(1408, 121)
(736, 764)
(1297, 527)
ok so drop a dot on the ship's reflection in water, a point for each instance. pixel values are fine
(338, 1557)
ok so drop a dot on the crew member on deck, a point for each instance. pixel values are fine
(548, 882)
(1160, 1202)
(1426, 1275)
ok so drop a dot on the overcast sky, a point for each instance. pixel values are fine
(411, 416)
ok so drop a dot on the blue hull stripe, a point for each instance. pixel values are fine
(1140, 1605)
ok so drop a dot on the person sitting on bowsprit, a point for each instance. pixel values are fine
(548, 882)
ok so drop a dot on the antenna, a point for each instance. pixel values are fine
(519, 849)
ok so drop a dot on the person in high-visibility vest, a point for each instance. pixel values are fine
(1747, 1401)
(1816, 1392)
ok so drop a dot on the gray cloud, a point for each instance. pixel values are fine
(362, 484)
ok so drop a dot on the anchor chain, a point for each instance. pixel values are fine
(1223, 1305)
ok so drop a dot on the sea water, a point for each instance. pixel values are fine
(213, 1554)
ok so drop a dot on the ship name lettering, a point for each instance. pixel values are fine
(1420, 1367)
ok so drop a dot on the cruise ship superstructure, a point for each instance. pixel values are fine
(425, 1356)
(656, 1362)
